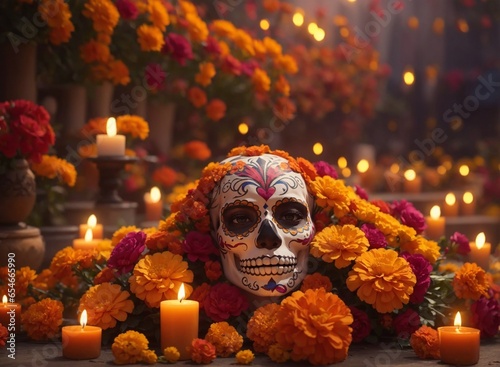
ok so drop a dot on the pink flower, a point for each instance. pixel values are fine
(248, 67)
(406, 323)
(408, 215)
(422, 270)
(361, 192)
(178, 47)
(325, 169)
(224, 300)
(127, 9)
(212, 46)
(155, 76)
(486, 316)
(361, 326)
(460, 242)
(199, 246)
(375, 237)
(125, 254)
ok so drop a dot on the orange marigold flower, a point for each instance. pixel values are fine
(53, 167)
(163, 240)
(262, 327)
(421, 245)
(61, 34)
(106, 275)
(425, 343)
(118, 72)
(150, 38)
(202, 351)
(159, 276)
(245, 357)
(158, 14)
(284, 109)
(133, 125)
(106, 304)
(213, 270)
(278, 354)
(129, 348)
(197, 97)
(165, 176)
(197, 149)
(149, 356)
(273, 48)
(198, 30)
(41, 320)
(24, 276)
(244, 41)
(382, 279)
(200, 293)
(207, 72)
(470, 282)
(251, 151)
(286, 63)
(332, 194)
(282, 86)
(339, 244)
(187, 7)
(215, 109)
(271, 5)
(261, 81)
(211, 175)
(45, 280)
(324, 341)
(315, 281)
(224, 338)
(103, 13)
(223, 28)
(307, 168)
(120, 233)
(94, 51)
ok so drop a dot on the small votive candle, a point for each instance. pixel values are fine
(412, 182)
(459, 345)
(435, 223)
(86, 243)
(94, 226)
(81, 341)
(468, 206)
(110, 144)
(154, 204)
(450, 208)
(10, 315)
(480, 251)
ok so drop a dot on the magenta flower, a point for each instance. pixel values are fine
(127, 9)
(422, 270)
(199, 246)
(178, 47)
(375, 237)
(325, 169)
(212, 46)
(460, 242)
(486, 316)
(155, 76)
(361, 192)
(248, 67)
(406, 323)
(408, 215)
(361, 326)
(224, 300)
(126, 253)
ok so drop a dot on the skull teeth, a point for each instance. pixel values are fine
(275, 265)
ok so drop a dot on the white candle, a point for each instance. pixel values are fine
(110, 144)
(435, 224)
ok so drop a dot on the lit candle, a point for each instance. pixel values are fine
(154, 204)
(179, 323)
(459, 345)
(468, 204)
(10, 315)
(110, 144)
(365, 180)
(94, 227)
(480, 251)
(435, 223)
(451, 205)
(86, 243)
(412, 183)
(81, 342)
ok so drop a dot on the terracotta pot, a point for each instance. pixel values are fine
(17, 192)
(24, 244)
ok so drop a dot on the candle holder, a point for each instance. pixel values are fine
(110, 181)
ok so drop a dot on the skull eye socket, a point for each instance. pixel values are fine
(240, 219)
(291, 214)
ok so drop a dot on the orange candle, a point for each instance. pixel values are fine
(95, 227)
(10, 315)
(480, 251)
(154, 204)
(412, 182)
(450, 208)
(81, 342)
(179, 323)
(459, 345)
(435, 224)
(87, 243)
(468, 206)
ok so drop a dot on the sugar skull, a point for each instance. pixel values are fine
(261, 220)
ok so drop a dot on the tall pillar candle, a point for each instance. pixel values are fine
(435, 224)
(480, 251)
(153, 204)
(450, 208)
(468, 205)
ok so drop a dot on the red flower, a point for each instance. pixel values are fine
(406, 323)
(224, 300)
(213, 270)
(202, 352)
(178, 47)
(231, 65)
(199, 246)
(127, 9)
(212, 46)
(361, 327)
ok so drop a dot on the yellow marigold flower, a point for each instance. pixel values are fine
(104, 248)
(149, 356)
(286, 63)
(41, 320)
(339, 244)
(244, 41)
(259, 48)
(121, 233)
(470, 282)
(261, 81)
(332, 194)
(198, 30)
(278, 354)
(224, 338)
(365, 211)
(24, 277)
(245, 356)
(207, 72)
(325, 340)
(158, 15)
(382, 279)
(273, 48)
(179, 192)
(282, 86)
(63, 261)
(52, 167)
(103, 13)
(159, 276)
(427, 248)
(94, 51)
(150, 38)
(133, 125)
(106, 303)
(224, 48)
(128, 347)
(171, 354)
(187, 7)
(262, 327)
(223, 28)
(315, 281)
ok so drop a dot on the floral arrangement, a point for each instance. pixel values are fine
(373, 275)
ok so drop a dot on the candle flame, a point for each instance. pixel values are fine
(92, 221)
(4, 299)
(83, 319)
(468, 197)
(464, 170)
(363, 166)
(182, 293)
(458, 321)
(480, 240)
(155, 194)
(450, 198)
(88, 235)
(410, 175)
(111, 126)
(435, 212)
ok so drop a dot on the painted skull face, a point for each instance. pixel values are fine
(261, 218)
